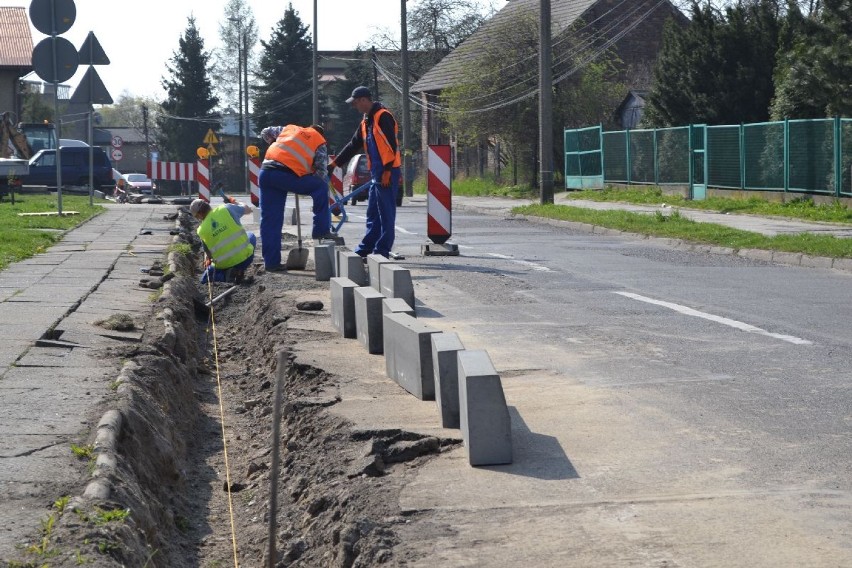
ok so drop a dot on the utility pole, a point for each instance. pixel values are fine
(545, 106)
(246, 105)
(242, 144)
(375, 77)
(315, 69)
(145, 132)
(407, 173)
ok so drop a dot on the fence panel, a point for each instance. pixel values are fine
(846, 157)
(642, 169)
(724, 167)
(763, 156)
(615, 156)
(673, 155)
(583, 160)
(811, 156)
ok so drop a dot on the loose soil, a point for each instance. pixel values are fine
(169, 504)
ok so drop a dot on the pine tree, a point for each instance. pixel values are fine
(285, 75)
(188, 108)
(815, 78)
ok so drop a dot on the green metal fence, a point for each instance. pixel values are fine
(800, 156)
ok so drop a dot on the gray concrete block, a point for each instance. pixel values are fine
(445, 346)
(395, 282)
(324, 262)
(483, 415)
(343, 306)
(396, 306)
(351, 266)
(368, 318)
(408, 354)
(374, 262)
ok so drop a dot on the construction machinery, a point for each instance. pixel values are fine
(18, 143)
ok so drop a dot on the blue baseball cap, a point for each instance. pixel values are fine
(359, 92)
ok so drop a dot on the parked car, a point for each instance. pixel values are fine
(139, 183)
(357, 174)
(75, 168)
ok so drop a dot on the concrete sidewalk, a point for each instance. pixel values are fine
(769, 226)
(54, 375)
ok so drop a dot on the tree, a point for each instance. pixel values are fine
(285, 75)
(126, 111)
(238, 31)
(33, 106)
(719, 68)
(815, 76)
(188, 108)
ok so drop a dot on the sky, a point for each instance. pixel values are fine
(139, 37)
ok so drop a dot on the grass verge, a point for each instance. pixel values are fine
(480, 187)
(676, 226)
(23, 237)
(799, 208)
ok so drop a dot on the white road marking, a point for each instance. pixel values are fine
(401, 230)
(532, 265)
(718, 319)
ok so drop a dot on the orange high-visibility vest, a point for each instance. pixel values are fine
(382, 142)
(295, 148)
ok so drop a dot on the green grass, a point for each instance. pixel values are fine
(23, 237)
(678, 227)
(480, 187)
(798, 208)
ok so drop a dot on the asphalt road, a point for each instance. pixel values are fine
(696, 406)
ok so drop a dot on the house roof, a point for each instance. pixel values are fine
(452, 67)
(16, 39)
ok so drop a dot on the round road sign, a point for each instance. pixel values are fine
(53, 16)
(66, 59)
(117, 141)
(116, 154)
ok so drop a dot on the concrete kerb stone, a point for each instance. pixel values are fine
(445, 346)
(408, 354)
(343, 306)
(374, 263)
(351, 266)
(368, 318)
(324, 262)
(395, 282)
(397, 306)
(484, 417)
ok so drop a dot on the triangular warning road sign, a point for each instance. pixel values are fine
(91, 90)
(91, 52)
(212, 149)
(210, 138)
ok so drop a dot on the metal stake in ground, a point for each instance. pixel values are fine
(276, 443)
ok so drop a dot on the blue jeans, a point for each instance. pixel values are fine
(274, 187)
(381, 218)
(222, 275)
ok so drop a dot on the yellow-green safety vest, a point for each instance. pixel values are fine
(226, 239)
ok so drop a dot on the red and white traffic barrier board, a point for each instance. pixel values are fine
(439, 225)
(336, 185)
(254, 189)
(202, 175)
(182, 171)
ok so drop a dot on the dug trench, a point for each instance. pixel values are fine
(192, 418)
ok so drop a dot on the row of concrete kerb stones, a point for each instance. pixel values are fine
(374, 303)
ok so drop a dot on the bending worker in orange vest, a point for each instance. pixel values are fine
(295, 162)
(377, 134)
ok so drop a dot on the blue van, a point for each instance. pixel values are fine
(75, 168)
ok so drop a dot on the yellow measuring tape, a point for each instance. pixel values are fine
(222, 417)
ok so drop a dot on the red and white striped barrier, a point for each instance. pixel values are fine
(181, 171)
(202, 175)
(439, 225)
(336, 187)
(254, 189)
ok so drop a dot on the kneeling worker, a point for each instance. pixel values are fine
(226, 243)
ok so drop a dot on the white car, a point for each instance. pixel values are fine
(139, 183)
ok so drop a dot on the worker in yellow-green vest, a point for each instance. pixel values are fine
(229, 248)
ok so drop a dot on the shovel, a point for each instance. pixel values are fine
(297, 259)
